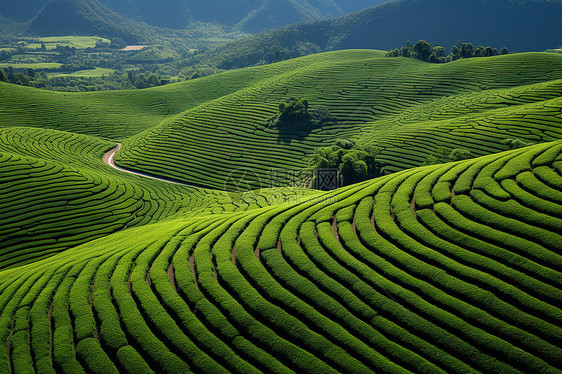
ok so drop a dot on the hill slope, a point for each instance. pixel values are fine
(248, 15)
(129, 19)
(448, 268)
(57, 193)
(406, 108)
(201, 131)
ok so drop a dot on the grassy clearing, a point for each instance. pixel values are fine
(78, 42)
(446, 268)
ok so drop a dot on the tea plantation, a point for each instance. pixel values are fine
(406, 108)
(447, 268)
(454, 267)
(57, 193)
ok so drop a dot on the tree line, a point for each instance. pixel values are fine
(425, 51)
(115, 81)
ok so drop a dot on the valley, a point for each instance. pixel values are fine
(313, 198)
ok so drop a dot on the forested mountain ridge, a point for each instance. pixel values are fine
(388, 26)
(86, 17)
(127, 18)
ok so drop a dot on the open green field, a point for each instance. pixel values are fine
(78, 42)
(451, 268)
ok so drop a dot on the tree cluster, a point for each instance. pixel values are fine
(516, 143)
(353, 163)
(443, 155)
(425, 51)
(296, 114)
(115, 81)
(141, 81)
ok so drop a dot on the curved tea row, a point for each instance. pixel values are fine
(57, 194)
(448, 268)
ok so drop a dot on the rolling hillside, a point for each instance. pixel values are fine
(201, 131)
(447, 268)
(57, 193)
(406, 108)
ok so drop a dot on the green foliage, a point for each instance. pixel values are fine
(354, 164)
(443, 155)
(515, 143)
(296, 114)
(424, 51)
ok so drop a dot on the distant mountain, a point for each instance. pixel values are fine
(247, 15)
(7, 28)
(85, 17)
(276, 13)
(349, 6)
(520, 25)
(21, 10)
(125, 18)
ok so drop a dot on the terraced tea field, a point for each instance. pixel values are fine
(454, 268)
(57, 193)
(448, 268)
(402, 106)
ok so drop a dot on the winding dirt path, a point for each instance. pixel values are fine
(108, 160)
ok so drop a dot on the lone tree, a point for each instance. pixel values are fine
(2, 77)
(423, 49)
(294, 112)
(467, 50)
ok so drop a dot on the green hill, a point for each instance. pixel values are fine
(117, 115)
(406, 108)
(199, 132)
(57, 193)
(446, 268)
(454, 267)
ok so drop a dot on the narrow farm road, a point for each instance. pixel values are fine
(108, 160)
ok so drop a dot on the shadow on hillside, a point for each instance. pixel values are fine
(287, 136)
